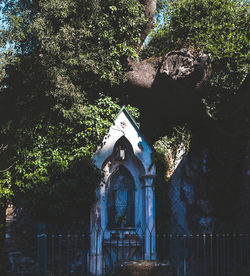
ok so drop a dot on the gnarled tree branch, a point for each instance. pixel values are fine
(150, 9)
(183, 66)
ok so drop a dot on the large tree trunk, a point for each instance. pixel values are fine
(189, 68)
(173, 83)
(192, 69)
(167, 89)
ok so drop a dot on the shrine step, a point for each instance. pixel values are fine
(143, 268)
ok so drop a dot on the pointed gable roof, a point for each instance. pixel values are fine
(124, 125)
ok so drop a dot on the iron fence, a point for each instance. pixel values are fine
(202, 254)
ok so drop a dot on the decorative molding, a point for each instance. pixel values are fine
(147, 176)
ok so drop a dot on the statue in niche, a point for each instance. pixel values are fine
(121, 199)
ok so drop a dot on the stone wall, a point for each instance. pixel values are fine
(192, 208)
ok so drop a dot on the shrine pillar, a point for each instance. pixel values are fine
(150, 243)
(96, 241)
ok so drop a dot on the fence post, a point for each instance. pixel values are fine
(211, 255)
(96, 250)
(83, 263)
(247, 250)
(184, 255)
(42, 250)
(68, 253)
(59, 254)
(75, 254)
(204, 254)
(53, 254)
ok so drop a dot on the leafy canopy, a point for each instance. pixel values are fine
(62, 54)
(219, 28)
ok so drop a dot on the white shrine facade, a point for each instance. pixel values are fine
(123, 216)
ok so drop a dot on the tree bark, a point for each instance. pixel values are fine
(150, 9)
(184, 66)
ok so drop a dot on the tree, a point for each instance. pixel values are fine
(217, 28)
(64, 54)
(194, 35)
(5, 194)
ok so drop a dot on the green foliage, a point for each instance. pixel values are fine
(53, 173)
(81, 43)
(61, 55)
(3, 255)
(172, 142)
(169, 151)
(5, 188)
(219, 28)
(5, 194)
(69, 51)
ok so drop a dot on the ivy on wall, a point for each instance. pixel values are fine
(169, 152)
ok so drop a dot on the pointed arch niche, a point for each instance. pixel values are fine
(123, 193)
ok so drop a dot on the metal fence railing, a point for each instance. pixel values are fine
(204, 254)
